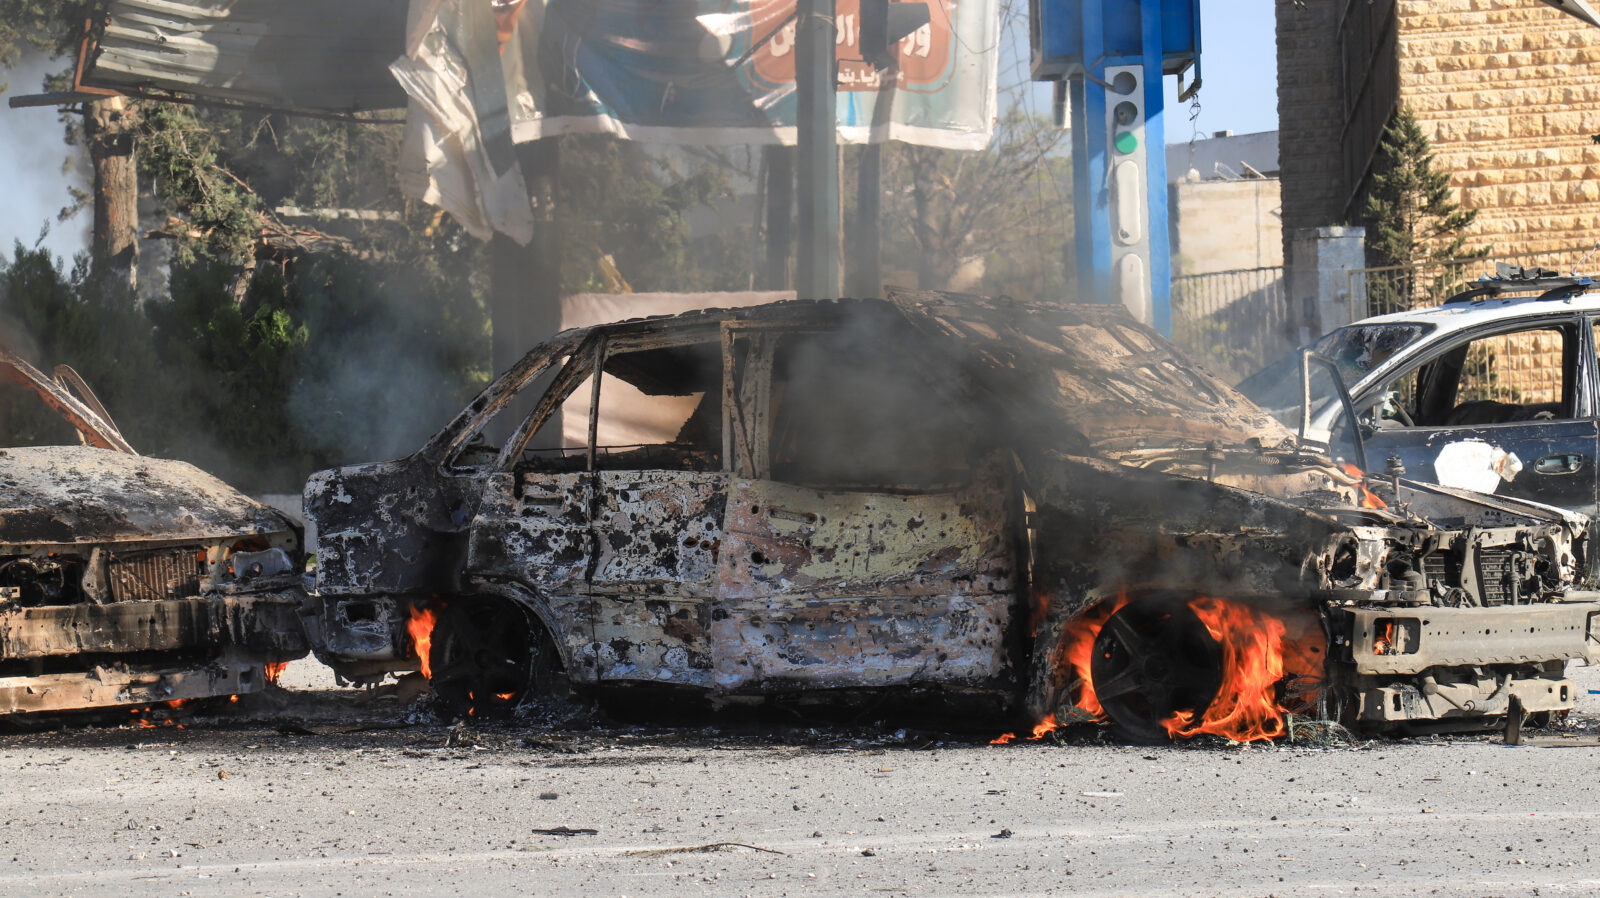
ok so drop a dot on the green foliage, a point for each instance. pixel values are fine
(335, 360)
(619, 199)
(179, 155)
(54, 26)
(1413, 219)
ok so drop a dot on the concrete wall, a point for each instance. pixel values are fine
(1226, 225)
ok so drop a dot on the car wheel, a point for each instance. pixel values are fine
(1152, 660)
(488, 657)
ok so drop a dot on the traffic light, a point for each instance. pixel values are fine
(884, 23)
(1127, 187)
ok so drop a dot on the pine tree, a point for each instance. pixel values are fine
(1412, 217)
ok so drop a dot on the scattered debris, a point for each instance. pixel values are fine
(701, 849)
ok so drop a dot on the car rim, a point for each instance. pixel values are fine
(1151, 660)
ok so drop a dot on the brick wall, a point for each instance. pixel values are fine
(1310, 115)
(1509, 93)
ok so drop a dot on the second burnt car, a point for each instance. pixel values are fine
(1041, 509)
(127, 580)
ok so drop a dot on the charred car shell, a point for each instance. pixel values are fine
(127, 580)
(938, 493)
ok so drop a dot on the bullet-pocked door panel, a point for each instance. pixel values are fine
(533, 528)
(657, 535)
(856, 588)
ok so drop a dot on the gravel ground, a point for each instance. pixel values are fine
(307, 792)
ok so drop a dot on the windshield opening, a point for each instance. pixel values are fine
(1356, 351)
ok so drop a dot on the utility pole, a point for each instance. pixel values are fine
(817, 276)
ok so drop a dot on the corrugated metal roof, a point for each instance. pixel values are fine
(319, 55)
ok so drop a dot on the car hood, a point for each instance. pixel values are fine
(1088, 379)
(63, 495)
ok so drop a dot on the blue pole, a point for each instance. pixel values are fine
(1156, 166)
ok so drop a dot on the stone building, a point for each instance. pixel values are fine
(1223, 203)
(1508, 91)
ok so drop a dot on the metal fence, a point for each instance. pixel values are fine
(1400, 288)
(1232, 322)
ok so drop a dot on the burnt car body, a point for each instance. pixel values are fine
(127, 580)
(1042, 508)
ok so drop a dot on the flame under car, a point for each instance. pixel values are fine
(127, 580)
(1039, 510)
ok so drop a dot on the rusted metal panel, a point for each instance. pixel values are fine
(534, 528)
(230, 673)
(264, 622)
(658, 531)
(1409, 640)
(829, 589)
(657, 536)
(298, 54)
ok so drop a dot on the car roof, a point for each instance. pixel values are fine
(1471, 313)
(1089, 378)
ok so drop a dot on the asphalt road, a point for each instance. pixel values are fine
(323, 797)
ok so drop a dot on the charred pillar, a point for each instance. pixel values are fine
(109, 126)
(525, 281)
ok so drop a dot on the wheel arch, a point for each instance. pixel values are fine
(538, 608)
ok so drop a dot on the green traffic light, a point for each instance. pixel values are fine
(1126, 142)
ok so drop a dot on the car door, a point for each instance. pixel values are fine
(865, 544)
(532, 525)
(1507, 409)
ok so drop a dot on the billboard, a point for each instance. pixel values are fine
(484, 74)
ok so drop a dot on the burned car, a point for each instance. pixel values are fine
(1041, 510)
(128, 580)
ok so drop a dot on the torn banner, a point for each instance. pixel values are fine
(484, 74)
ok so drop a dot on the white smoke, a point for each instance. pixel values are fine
(33, 150)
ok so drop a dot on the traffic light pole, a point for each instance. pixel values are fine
(1109, 59)
(1120, 172)
(817, 168)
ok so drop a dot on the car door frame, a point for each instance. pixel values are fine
(1417, 439)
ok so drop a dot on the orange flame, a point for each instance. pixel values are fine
(275, 672)
(1005, 739)
(420, 626)
(1246, 707)
(1384, 644)
(1368, 498)
(1080, 649)
(142, 714)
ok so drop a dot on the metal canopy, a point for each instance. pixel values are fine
(316, 55)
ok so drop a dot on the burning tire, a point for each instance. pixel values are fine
(487, 657)
(1154, 660)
